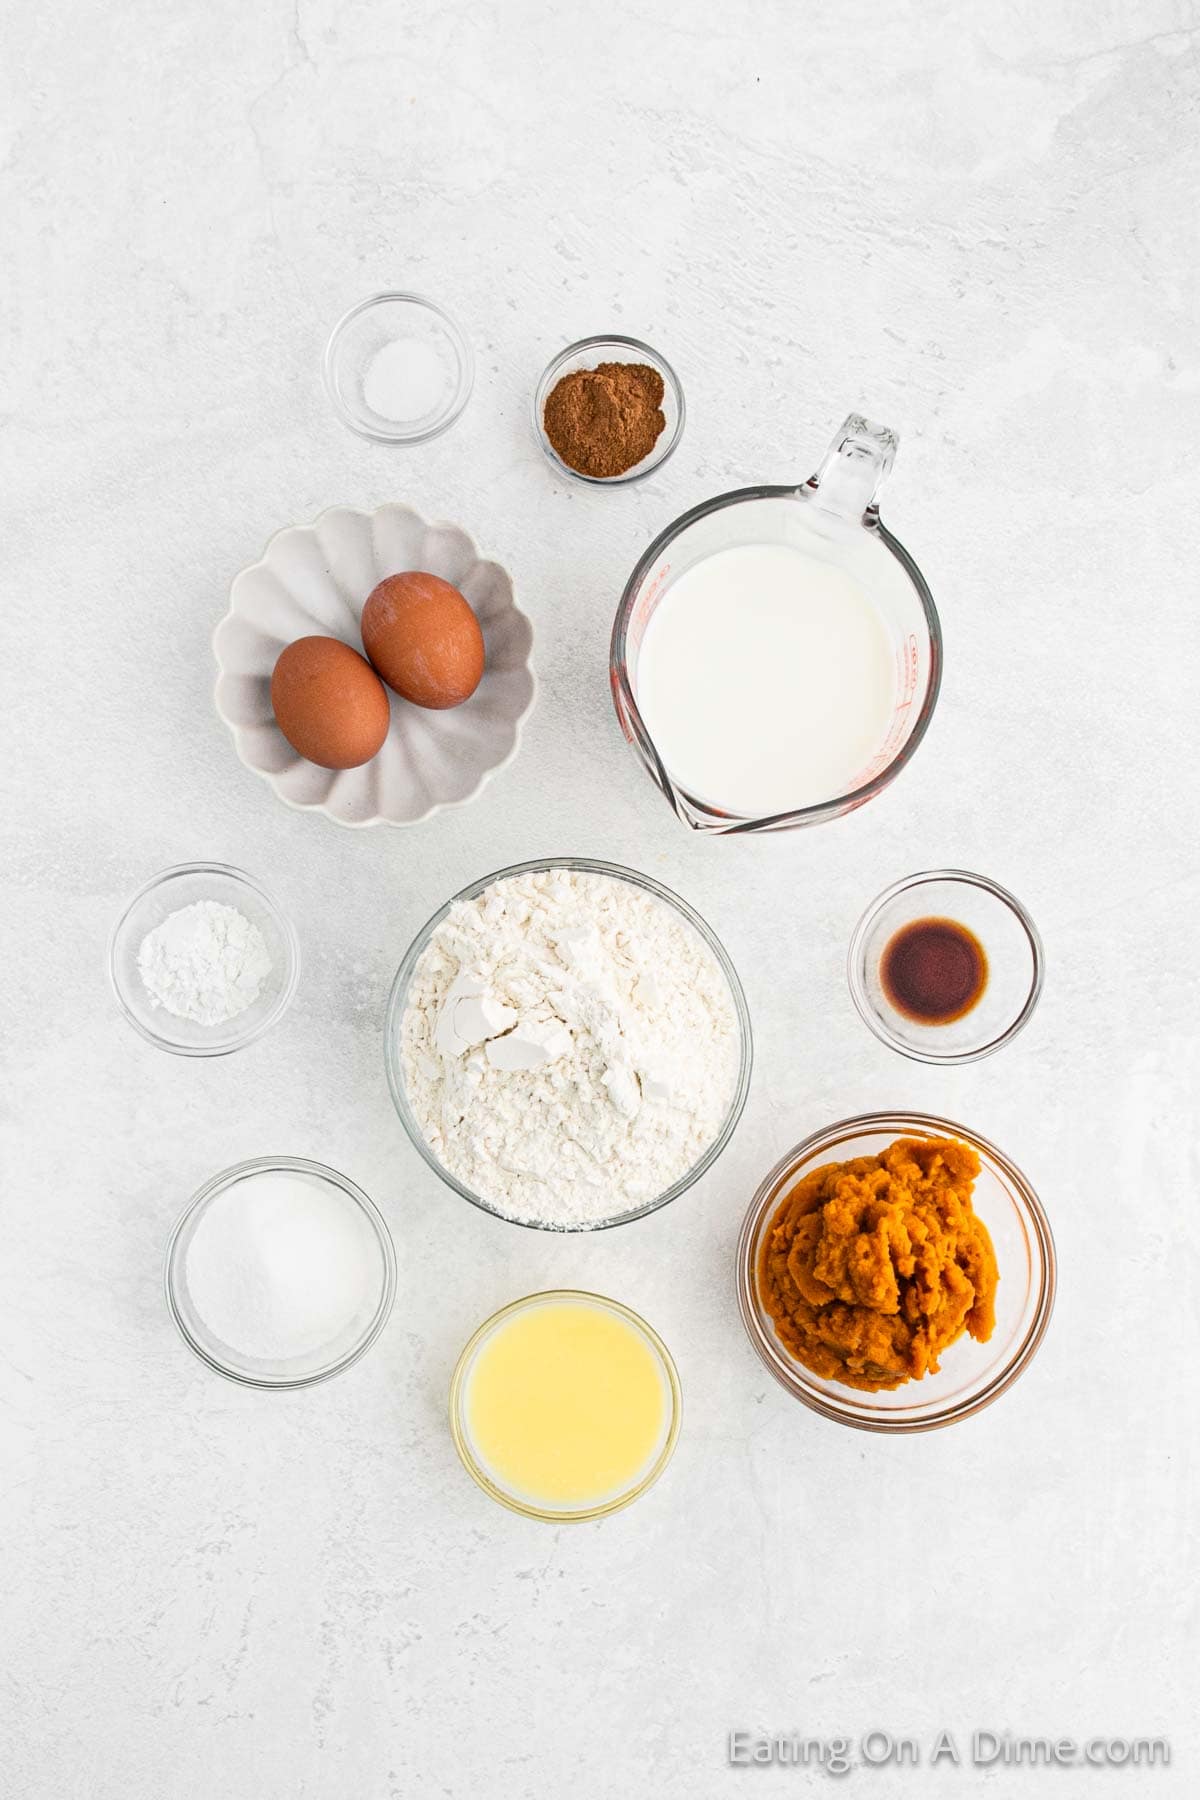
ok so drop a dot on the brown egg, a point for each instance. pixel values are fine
(329, 703)
(424, 639)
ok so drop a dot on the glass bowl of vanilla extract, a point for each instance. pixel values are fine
(946, 966)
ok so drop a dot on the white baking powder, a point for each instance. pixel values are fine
(206, 962)
(282, 1266)
(570, 1046)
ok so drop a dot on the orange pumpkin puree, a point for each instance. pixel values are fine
(871, 1268)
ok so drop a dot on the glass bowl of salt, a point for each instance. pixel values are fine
(280, 1273)
(398, 369)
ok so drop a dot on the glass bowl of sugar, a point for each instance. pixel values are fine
(280, 1273)
(398, 369)
(203, 960)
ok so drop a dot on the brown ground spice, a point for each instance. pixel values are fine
(602, 421)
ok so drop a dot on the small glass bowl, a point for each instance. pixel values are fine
(460, 1432)
(587, 354)
(165, 894)
(367, 329)
(398, 999)
(972, 1375)
(1015, 964)
(359, 1332)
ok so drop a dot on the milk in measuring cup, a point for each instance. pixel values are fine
(767, 680)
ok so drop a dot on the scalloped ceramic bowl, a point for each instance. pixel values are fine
(316, 578)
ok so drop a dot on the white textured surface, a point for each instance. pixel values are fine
(979, 224)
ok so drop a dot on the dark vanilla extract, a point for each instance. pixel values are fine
(933, 970)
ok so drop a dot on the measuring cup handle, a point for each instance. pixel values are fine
(856, 466)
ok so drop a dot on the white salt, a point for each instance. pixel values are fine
(405, 380)
(283, 1266)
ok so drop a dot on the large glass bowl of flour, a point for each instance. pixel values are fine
(568, 1045)
(776, 656)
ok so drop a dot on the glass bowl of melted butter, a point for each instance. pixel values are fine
(565, 1406)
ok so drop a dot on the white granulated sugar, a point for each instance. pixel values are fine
(570, 1046)
(281, 1267)
(206, 962)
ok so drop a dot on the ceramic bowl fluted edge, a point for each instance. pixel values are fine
(315, 579)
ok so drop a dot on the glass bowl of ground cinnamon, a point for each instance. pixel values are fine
(608, 410)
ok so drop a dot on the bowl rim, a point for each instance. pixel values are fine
(383, 1237)
(239, 878)
(394, 1016)
(650, 463)
(792, 1375)
(569, 1515)
(462, 344)
(311, 527)
(856, 951)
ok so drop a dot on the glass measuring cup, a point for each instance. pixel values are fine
(834, 517)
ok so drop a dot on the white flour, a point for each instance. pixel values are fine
(570, 1046)
(206, 962)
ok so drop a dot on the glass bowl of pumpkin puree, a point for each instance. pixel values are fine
(896, 1272)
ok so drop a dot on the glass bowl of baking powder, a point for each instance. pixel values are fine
(586, 1065)
(203, 960)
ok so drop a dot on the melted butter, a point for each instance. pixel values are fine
(566, 1404)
